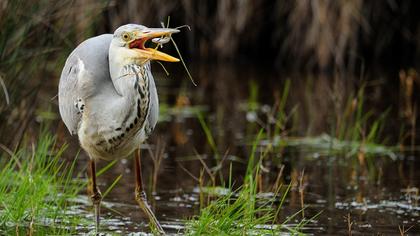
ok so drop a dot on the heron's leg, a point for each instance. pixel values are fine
(96, 195)
(141, 195)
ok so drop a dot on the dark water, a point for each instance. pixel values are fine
(378, 191)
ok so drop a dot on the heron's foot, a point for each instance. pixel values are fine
(96, 200)
(142, 201)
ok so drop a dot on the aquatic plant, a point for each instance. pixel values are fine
(244, 210)
(35, 187)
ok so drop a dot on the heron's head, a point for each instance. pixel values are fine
(128, 44)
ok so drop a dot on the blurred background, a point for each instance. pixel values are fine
(339, 46)
(333, 84)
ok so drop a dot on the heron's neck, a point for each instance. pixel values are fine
(132, 83)
(127, 77)
(125, 69)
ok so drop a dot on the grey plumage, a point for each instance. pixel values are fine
(107, 96)
(94, 50)
(107, 125)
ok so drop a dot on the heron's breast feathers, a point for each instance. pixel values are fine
(133, 123)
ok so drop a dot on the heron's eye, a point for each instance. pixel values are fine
(126, 36)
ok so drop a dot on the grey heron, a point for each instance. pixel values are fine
(107, 96)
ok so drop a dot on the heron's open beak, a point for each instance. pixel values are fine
(152, 53)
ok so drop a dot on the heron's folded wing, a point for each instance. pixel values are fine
(68, 94)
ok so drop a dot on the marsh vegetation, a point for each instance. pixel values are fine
(317, 136)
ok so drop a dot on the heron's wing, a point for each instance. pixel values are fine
(68, 94)
(85, 74)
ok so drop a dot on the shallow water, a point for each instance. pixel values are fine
(373, 209)
(378, 192)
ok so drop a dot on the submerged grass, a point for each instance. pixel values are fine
(34, 190)
(353, 129)
(244, 211)
(233, 214)
(324, 144)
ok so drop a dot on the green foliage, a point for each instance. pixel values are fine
(232, 215)
(357, 124)
(35, 188)
(327, 145)
(242, 211)
(209, 136)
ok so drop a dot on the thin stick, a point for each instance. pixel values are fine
(183, 63)
(349, 224)
(176, 47)
(184, 26)
(6, 94)
(166, 72)
(301, 192)
(188, 172)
